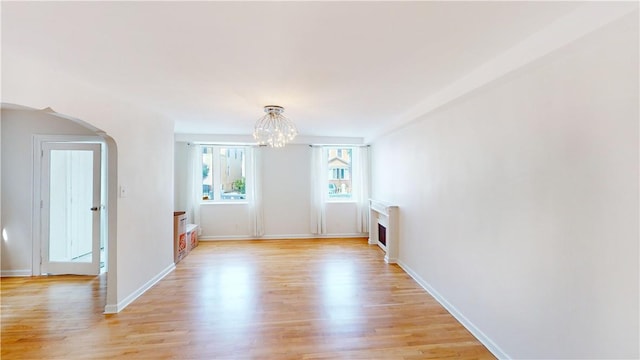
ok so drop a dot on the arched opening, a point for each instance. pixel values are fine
(24, 130)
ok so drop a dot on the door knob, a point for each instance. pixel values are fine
(95, 208)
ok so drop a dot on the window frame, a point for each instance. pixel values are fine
(339, 149)
(216, 172)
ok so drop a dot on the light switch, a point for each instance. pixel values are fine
(123, 191)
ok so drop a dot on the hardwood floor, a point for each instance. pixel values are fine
(276, 299)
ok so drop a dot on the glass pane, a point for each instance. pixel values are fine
(207, 173)
(339, 172)
(232, 174)
(71, 199)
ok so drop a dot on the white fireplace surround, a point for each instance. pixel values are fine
(385, 214)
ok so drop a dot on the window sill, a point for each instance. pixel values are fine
(231, 202)
(345, 201)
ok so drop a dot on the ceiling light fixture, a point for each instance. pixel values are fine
(274, 129)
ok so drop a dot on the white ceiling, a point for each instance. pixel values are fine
(338, 68)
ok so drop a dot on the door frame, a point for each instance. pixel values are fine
(37, 221)
(94, 208)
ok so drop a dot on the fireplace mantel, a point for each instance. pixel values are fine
(386, 214)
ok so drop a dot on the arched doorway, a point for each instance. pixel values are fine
(26, 130)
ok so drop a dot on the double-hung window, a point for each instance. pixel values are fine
(223, 173)
(340, 173)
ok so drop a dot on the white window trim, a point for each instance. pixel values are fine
(224, 202)
(215, 164)
(342, 201)
(338, 200)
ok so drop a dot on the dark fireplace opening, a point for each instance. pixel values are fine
(382, 234)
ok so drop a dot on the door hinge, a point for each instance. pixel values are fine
(41, 204)
(41, 153)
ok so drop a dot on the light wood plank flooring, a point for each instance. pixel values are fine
(276, 299)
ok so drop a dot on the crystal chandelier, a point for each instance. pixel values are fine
(274, 129)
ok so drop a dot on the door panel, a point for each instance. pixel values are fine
(71, 208)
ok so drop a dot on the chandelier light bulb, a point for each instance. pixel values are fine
(274, 129)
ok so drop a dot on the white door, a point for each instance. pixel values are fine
(70, 190)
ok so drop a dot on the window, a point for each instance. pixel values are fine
(339, 162)
(338, 174)
(223, 173)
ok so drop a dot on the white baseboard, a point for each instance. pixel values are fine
(229, 237)
(15, 273)
(346, 236)
(116, 308)
(282, 237)
(484, 339)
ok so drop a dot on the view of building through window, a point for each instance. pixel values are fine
(224, 176)
(223, 173)
(340, 171)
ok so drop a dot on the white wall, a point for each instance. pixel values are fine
(519, 202)
(18, 128)
(2, 231)
(222, 221)
(286, 186)
(144, 166)
(181, 169)
(342, 218)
